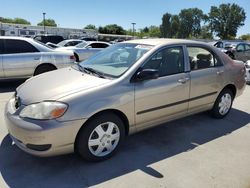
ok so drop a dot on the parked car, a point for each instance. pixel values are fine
(248, 72)
(126, 88)
(49, 38)
(69, 42)
(22, 57)
(85, 49)
(238, 50)
(64, 43)
(88, 39)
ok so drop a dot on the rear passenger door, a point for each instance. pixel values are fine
(20, 58)
(206, 77)
(240, 53)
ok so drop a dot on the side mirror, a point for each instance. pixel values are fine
(89, 47)
(147, 74)
(239, 50)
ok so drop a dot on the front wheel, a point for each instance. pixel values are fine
(101, 137)
(223, 104)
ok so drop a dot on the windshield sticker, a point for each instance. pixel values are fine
(145, 47)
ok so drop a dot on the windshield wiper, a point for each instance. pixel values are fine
(93, 71)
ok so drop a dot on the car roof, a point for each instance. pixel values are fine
(162, 41)
(17, 38)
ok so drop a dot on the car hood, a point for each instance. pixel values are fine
(57, 84)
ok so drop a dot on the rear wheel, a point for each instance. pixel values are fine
(101, 137)
(44, 68)
(223, 104)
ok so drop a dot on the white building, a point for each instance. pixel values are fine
(8, 29)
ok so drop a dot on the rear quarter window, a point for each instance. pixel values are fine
(18, 46)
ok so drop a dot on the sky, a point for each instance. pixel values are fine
(79, 13)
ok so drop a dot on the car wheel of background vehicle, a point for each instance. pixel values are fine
(101, 137)
(223, 104)
(44, 68)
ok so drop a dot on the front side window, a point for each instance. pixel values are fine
(240, 48)
(18, 46)
(201, 58)
(167, 61)
(117, 59)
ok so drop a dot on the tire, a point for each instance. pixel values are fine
(43, 69)
(106, 131)
(223, 104)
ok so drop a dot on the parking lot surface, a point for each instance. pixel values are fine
(197, 151)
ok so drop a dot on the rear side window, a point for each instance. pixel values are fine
(247, 47)
(18, 46)
(98, 45)
(201, 58)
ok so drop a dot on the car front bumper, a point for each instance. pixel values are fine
(41, 137)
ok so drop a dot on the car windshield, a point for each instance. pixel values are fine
(44, 45)
(116, 60)
(81, 45)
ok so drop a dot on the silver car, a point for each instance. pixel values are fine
(126, 88)
(24, 57)
(85, 49)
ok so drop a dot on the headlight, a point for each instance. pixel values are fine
(44, 110)
(248, 64)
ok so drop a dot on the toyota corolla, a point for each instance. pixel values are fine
(126, 88)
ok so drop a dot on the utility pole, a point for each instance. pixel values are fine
(133, 24)
(44, 22)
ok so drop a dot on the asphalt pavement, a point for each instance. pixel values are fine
(197, 151)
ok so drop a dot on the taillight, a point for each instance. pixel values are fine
(72, 57)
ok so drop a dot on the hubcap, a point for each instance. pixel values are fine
(104, 139)
(225, 103)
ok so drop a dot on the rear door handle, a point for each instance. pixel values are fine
(36, 58)
(183, 80)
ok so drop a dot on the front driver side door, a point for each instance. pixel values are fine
(166, 97)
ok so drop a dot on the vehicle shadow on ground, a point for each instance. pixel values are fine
(10, 85)
(19, 169)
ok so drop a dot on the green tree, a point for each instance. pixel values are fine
(165, 27)
(112, 29)
(14, 21)
(90, 26)
(48, 22)
(154, 31)
(175, 26)
(226, 19)
(206, 32)
(245, 37)
(190, 22)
